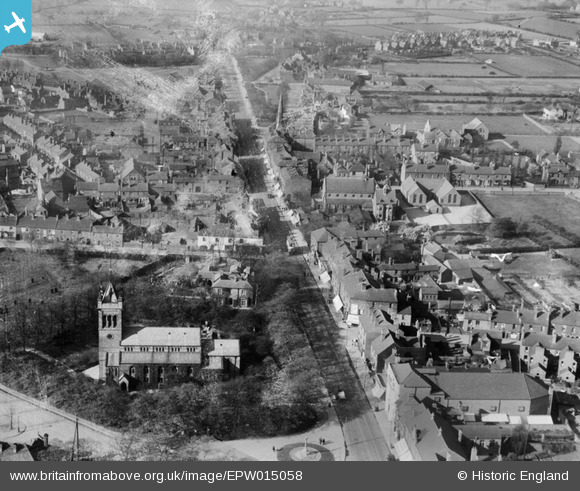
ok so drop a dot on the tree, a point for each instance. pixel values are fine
(519, 440)
(503, 228)
(419, 233)
(557, 145)
(383, 226)
(478, 218)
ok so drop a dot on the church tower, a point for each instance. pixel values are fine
(110, 312)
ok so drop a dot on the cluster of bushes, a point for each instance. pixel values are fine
(558, 230)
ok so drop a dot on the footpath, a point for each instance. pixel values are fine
(349, 335)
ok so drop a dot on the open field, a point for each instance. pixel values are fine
(449, 69)
(430, 27)
(550, 27)
(540, 86)
(514, 87)
(532, 66)
(366, 30)
(557, 211)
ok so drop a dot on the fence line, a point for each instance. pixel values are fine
(63, 414)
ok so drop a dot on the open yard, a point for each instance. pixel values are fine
(554, 220)
(538, 277)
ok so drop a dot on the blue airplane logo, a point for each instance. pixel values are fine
(17, 23)
(16, 17)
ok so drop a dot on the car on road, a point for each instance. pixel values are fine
(270, 195)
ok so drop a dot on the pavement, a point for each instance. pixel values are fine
(262, 449)
(374, 421)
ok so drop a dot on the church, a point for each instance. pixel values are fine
(143, 357)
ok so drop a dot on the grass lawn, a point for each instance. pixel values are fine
(553, 220)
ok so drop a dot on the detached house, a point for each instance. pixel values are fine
(233, 291)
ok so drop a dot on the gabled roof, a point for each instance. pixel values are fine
(567, 318)
(410, 186)
(474, 124)
(164, 336)
(551, 342)
(466, 385)
(350, 185)
(434, 438)
(408, 377)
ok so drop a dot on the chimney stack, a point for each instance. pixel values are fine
(459, 436)
(45, 440)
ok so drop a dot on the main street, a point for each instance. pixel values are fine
(364, 440)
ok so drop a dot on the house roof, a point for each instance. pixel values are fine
(350, 185)
(410, 186)
(75, 225)
(383, 342)
(15, 452)
(487, 386)
(407, 376)
(567, 318)
(427, 169)
(359, 288)
(435, 437)
(232, 283)
(551, 342)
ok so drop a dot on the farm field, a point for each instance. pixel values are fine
(528, 86)
(557, 210)
(486, 26)
(550, 27)
(365, 30)
(532, 66)
(430, 27)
